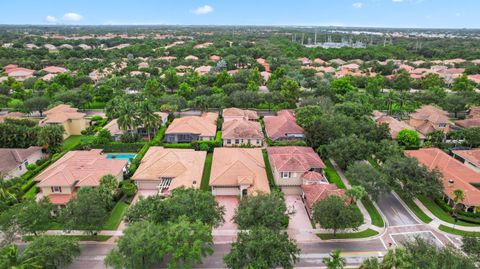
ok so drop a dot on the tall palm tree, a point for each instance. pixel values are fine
(458, 197)
(396, 258)
(127, 119)
(10, 258)
(148, 118)
(370, 263)
(335, 261)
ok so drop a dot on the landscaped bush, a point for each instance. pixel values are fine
(31, 166)
(129, 189)
(130, 138)
(178, 145)
(208, 145)
(469, 216)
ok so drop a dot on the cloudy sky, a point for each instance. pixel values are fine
(377, 13)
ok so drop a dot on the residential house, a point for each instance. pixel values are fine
(72, 121)
(76, 169)
(10, 115)
(238, 171)
(54, 69)
(428, 119)
(394, 125)
(283, 126)
(191, 58)
(190, 128)
(455, 175)
(241, 132)
(470, 157)
(162, 170)
(14, 161)
(116, 132)
(234, 113)
(315, 192)
(472, 120)
(19, 73)
(293, 166)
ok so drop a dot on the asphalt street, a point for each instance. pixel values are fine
(393, 210)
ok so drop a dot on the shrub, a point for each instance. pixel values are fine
(31, 166)
(130, 138)
(96, 118)
(129, 189)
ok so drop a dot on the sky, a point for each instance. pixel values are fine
(359, 13)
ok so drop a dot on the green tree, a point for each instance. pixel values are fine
(365, 175)
(333, 213)
(53, 251)
(356, 193)
(107, 189)
(267, 210)
(127, 116)
(153, 88)
(402, 81)
(171, 79)
(471, 246)
(32, 217)
(11, 258)
(103, 137)
(342, 86)
(36, 104)
(85, 211)
(335, 260)
(375, 85)
(50, 137)
(185, 90)
(150, 120)
(431, 81)
(408, 138)
(64, 79)
(307, 115)
(370, 263)
(462, 84)
(290, 90)
(347, 150)
(262, 248)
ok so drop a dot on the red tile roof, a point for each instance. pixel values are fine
(294, 159)
(281, 125)
(317, 192)
(451, 169)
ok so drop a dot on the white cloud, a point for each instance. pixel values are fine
(458, 14)
(397, 1)
(50, 19)
(71, 16)
(203, 10)
(357, 5)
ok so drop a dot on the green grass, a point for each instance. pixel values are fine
(457, 232)
(116, 216)
(362, 234)
(31, 193)
(98, 238)
(377, 219)
(206, 172)
(71, 142)
(271, 180)
(415, 209)
(440, 213)
(332, 175)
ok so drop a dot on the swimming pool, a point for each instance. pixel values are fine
(121, 156)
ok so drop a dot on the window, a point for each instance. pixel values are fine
(285, 174)
(56, 189)
(229, 141)
(258, 141)
(237, 141)
(442, 125)
(20, 168)
(165, 183)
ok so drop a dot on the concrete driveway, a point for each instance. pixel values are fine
(394, 211)
(227, 232)
(299, 226)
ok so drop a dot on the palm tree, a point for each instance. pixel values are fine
(148, 118)
(335, 261)
(370, 263)
(10, 258)
(396, 258)
(458, 198)
(127, 116)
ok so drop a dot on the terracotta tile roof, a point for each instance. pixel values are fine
(113, 128)
(234, 112)
(468, 123)
(474, 112)
(318, 192)
(11, 71)
(282, 124)
(60, 114)
(205, 125)
(427, 119)
(294, 159)
(451, 169)
(472, 155)
(241, 129)
(312, 176)
(80, 168)
(185, 166)
(11, 115)
(239, 166)
(13, 157)
(54, 69)
(395, 126)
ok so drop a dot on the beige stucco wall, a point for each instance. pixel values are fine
(74, 127)
(22, 168)
(294, 180)
(47, 190)
(253, 142)
(216, 191)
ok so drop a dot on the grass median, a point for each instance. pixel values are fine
(362, 234)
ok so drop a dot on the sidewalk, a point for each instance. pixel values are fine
(437, 222)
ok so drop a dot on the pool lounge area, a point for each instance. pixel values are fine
(121, 156)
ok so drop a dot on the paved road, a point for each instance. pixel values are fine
(311, 254)
(394, 211)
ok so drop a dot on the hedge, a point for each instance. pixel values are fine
(115, 147)
(462, 215)
(138, 158)
(178, 145)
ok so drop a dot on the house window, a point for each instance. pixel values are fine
(237, 141)
(258, 141)
(165, 183)
(56, 189)
(285, 174)
(229, 141)
(442, 125)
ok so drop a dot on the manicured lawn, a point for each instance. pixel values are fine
(271, 180)
(98, 238)
(116, 216)
(440, 213)
(206, 172)
(332, 175)
(377, 219)
(71, 142)
(457, 232)
(362, 234)
(415, 209)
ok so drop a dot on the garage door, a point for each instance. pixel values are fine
(292, 190)
(225, 191)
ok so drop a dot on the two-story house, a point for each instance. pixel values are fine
(76, 169)
(240, 132)
(73, 122)
(428, 119)
(283, 126)
(190, 128)
(14, 161)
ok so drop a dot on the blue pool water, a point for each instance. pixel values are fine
(121, 156)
